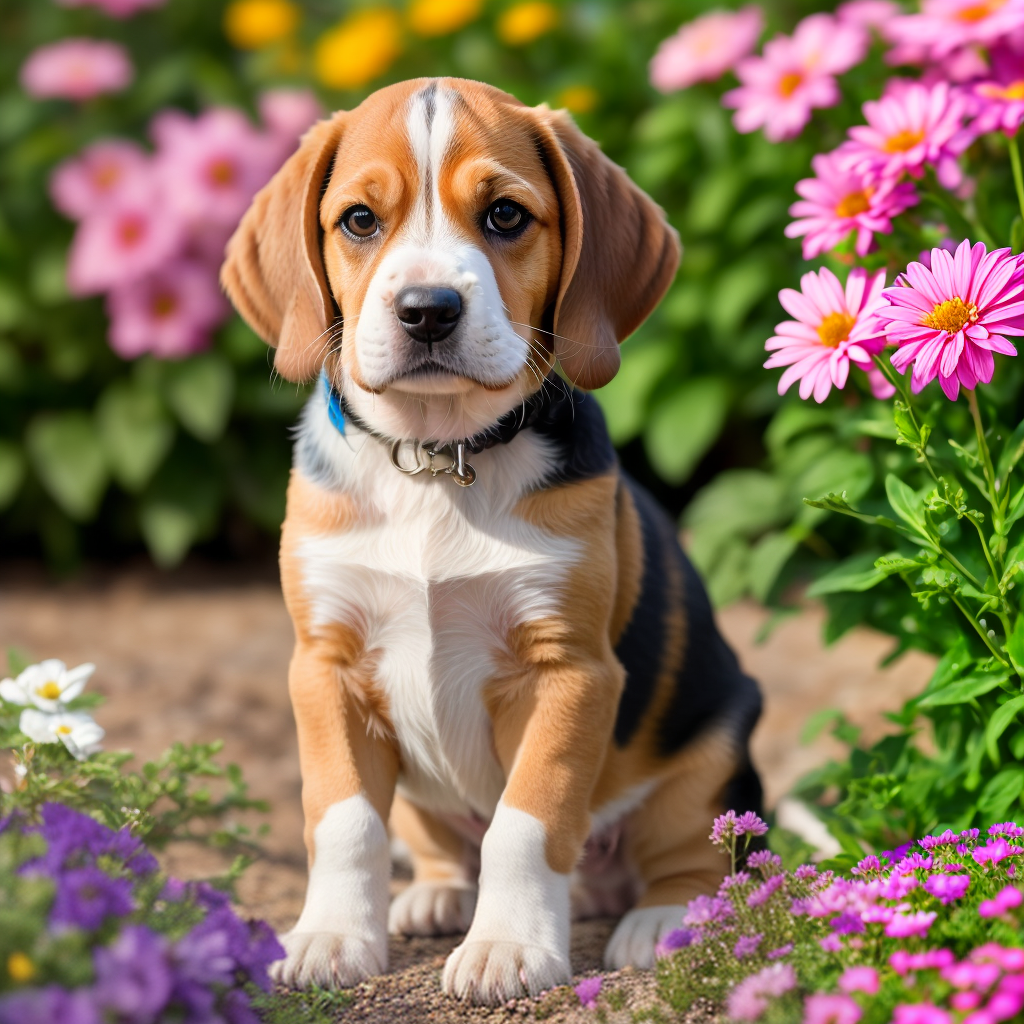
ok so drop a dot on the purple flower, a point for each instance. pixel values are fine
(846, 924)
(750, 824)
(868, 865)
(704, 910)
(764, 859)
(900, 851)
(731, 881)
(903, 926)
(723, 827)
(87, 896)
(235, 1008)
(805, 871)
(75, 838)
(133, 977)
(903, 962)
(1010, 829)
(997, 850)
(763, 893)
(588, 990)
(50, 1005)
(859, 979)
(777, 954)
(749, 999)
(678, 938)
(919, 1013)
(1003, 902)
(969, 833)
(947, 838)
(745, 945)
(912, 863)
(822, 1008)
(947, 887)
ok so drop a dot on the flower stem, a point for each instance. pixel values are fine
(983, 453)
(997, 654)
(1018, 177)
(941, 198)
(899, 382)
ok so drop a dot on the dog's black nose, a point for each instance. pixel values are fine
(428, 314)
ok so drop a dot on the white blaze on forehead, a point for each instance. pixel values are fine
(430, 124)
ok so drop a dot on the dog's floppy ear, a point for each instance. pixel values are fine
(273, 271)
(619, 253)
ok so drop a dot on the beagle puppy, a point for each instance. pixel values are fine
(500, 646)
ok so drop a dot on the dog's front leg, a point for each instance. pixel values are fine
(348, 780)
(551, 739)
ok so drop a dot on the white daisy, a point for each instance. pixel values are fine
(75, 729)
(47, 686)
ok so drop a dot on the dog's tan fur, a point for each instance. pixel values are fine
(591, 266)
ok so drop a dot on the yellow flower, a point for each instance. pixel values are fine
(20, 968)
(440, 17)
(525, 22)
(358, 49)
(253, 24)
(579, 99)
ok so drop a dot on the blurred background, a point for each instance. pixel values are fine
(138, 415)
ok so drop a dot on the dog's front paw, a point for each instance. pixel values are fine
(432, 908)
(328, 959)
(637, 934)
(490, 973)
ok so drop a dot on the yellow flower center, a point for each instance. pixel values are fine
(163, 305)
(131, 230)
(951, 316)
(854, 203)
(64, 730)
(20, 968)
(578, 99)
(253, 24)
(222, 172)
(979, 12)
(902, 141)
(1013, 91)
(835, 328)
(49, 690)
(525, 22)
(106, 176)
(789, 83)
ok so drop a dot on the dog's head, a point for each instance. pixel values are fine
(438, 248)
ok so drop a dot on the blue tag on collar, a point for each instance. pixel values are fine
(334, 413)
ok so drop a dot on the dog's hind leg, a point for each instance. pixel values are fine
(442, 896)
(667, 843)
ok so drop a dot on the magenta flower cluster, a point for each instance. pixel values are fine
(152, 226)
(157, 949)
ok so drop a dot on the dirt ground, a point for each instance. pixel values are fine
(203, 654)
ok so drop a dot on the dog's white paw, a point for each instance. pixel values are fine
(637, 934)
(432, 908)
(489, 973)
(328, 960)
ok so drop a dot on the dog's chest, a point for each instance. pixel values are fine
(436, 584)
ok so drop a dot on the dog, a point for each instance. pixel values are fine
(500, 646)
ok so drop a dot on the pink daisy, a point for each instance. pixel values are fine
(213, 164)
(837, 201)
(76, 69)
(998, 102)
(287, 113)
(945, 26)
(822, 1008)
(704, 49)
(868, 13)
(115, 8)
(97, 176)
(833, 327)
(121, 242)
(948, 320)
(910, 126)
(795, 74)
(169, 313)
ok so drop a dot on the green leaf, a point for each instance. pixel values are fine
(963, 690)
(1001, 792)
(12, 472)
(738, 288)
(199, 391)
(626, 399)
(1015, 645)
(767, 560)
(684, 425)
(169, 530)
(1000, 722)
(68, 458)
(1016, 510)
(906, 504)
(896, 563)
(950, 665)
(1012, 451)
(136, 432)
(856, 574)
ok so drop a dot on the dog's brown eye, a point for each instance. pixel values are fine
(359, 221)
(506, 216)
